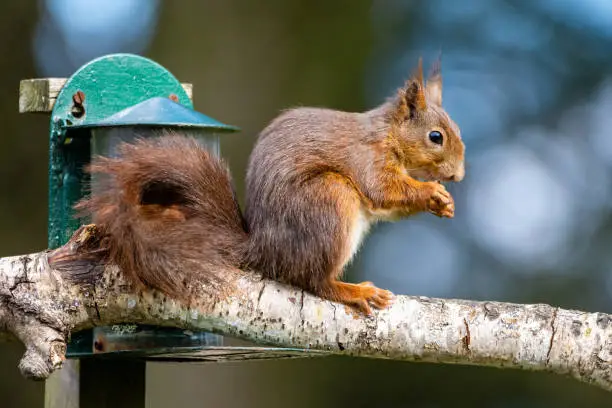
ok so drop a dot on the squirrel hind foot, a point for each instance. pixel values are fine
(360, 296)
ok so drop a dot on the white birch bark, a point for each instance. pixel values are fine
(41, 305)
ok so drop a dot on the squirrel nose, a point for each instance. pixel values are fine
(459, 174)
(456, 177)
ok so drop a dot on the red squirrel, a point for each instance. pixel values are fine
(317, 180)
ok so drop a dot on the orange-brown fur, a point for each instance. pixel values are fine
(157, 208)
(317, 178)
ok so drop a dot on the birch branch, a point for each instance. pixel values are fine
(43, 298)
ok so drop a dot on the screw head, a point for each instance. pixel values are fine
(78, 98)
(77, 104)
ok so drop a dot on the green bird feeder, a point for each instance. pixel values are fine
(113, 99)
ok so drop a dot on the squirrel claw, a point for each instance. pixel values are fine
(440, 202)
(382, 299)
(378, 298)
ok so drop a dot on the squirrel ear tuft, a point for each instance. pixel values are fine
(434, 83)
(412, 96)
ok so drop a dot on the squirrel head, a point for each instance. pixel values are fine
(427, 141)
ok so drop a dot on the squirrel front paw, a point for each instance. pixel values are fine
(439, 201)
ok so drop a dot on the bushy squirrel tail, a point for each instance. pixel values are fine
(168, 209)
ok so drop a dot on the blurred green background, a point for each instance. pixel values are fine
(529, 82)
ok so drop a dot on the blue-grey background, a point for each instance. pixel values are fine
(529, 83)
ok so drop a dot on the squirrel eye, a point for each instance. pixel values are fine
(436, 137)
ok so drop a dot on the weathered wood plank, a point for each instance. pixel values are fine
(38, 95)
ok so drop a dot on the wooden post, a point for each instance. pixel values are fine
(62, 387)
(109, 383)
